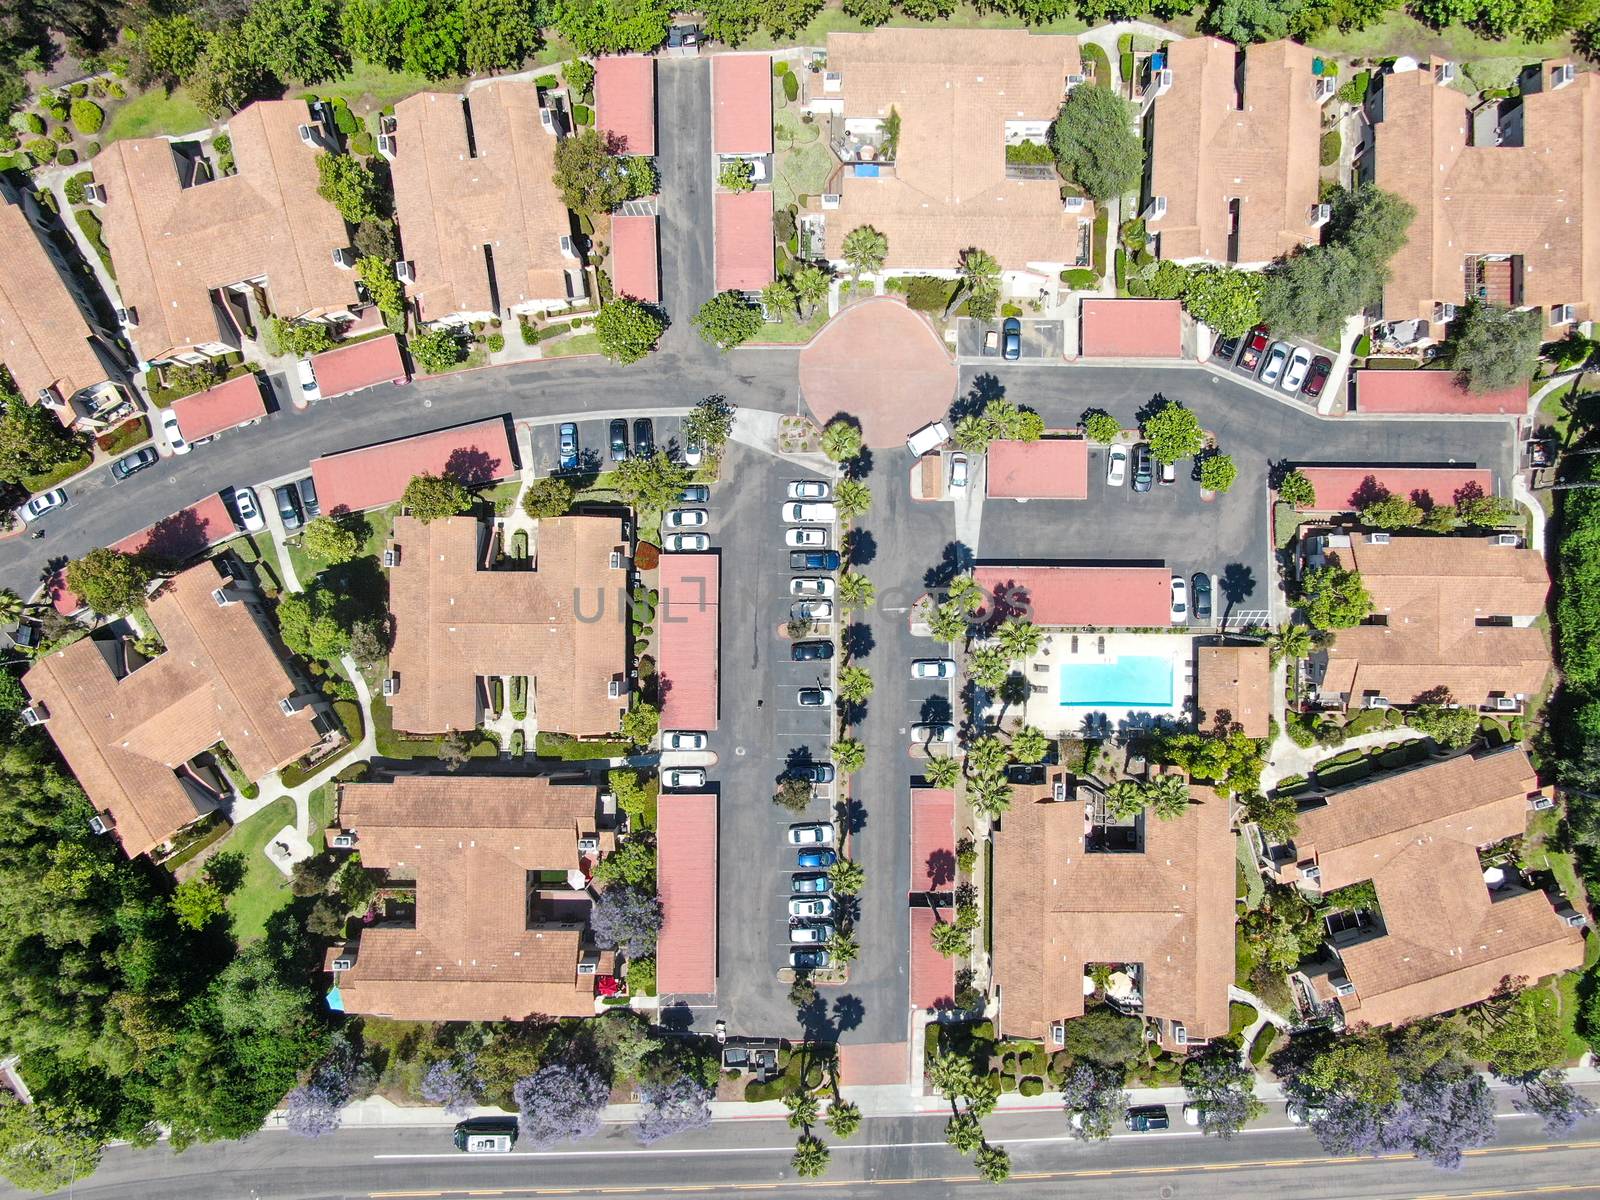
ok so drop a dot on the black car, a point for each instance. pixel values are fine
(813, 772)
(644, 438)
(683, 36)
(813, 560)
(308, 497)
(810, 651)
(1226, 349)
(1011, 336)
(1317, 376)
(288, 506)
(1200, 596)
(1144, 471)
(130, 464)
(619, 440)
(1147, 1117)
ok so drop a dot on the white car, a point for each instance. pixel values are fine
(1295, 375)
(692, 453)
(805, 539)
(809, 489)
(814, 697)
(958, 472)
(816, 908)
(1180, 600)
(800, 512)
(244, 499)
(926, 734)
(683, 777)
(1191, 1114)
(36, 506)
(174, 435)
(811, 935)
(1116, 466)
(687, 541)
(808, 586)
(1273, 367)
(683, 739)
(933, 668)
(308, 380)
(812, 610)
(685, 518)
(813, 834)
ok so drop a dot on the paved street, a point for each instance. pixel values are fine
(683, 150)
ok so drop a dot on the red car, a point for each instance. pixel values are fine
(1253, 350)
(1317, 376)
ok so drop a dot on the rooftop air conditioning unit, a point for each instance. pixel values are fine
(94, 193)
(1074, 80)
(1444, 313)
(1562, 314)
(1314, 874)
(1506, 703)
(102, 823)
(128, 317)
(308, 135)
(405, 271)
(1072, 204)
(287, 706)
(1445, 72)
(1344, 988)
(220, 595)
(618, 561)
(832, 81)
(386, 145)
(1060, 790)
(588, 845)
(1507, 539)
(1376, 702)
(1561, 76)
(1542, 803)
(1323, 87)
(1058, 1034)
(1320, 215)
(343, 964)
(35, 714)
(567, 249)
(1180, 1035)
(547, 120)
(1156, 209)
(391, 685)
(1571, 917)
(1162, 81)
(613, 689)
(830, 200)
(588, 967)
(1378, 539)
(391, 556)
(344, 257)
(344, 841)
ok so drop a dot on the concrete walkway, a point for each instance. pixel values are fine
(1286, 758)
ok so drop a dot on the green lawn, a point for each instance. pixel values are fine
(833, 20)
(321, 804)
(1566, 987)
(265, 889)
(1399, 33)
(803, 162)
(260, 552)
(578, 343)
(367, 87)
(153, 114)
(792, 330)
(40, 483)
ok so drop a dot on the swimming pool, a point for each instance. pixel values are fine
(1125, 681)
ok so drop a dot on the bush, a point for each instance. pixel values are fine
(1031, 1085)
(1331, 145)
(496, 342)
(1082, 277)
(791, 87)
(33, 122)
(87, 116)
(75, 185)
(582, 114)
(363, 144)
(66, 156)
(41, 150)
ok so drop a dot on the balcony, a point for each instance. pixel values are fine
(865, 139)
(1494, 279)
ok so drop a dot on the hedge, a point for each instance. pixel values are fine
(87, 116)
(1031, 1085)
(1093, 56)
(570, 749)
(90, 225)
(791, 87)
(1080, 277)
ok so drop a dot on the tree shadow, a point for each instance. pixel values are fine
(941, 867)
(854, 816)
(1238, 582)
(985, 387)
(857, 641)
(472, 467)
(677, 1017)
(1156, 403)
(863, 548)
(174, 540)
(798, 760)
(848, 1012)
(957, 560)
(1369, 491)
(935, 710)
(859, 467)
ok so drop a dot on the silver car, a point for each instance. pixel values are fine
(1295, 374)
(1272, 369)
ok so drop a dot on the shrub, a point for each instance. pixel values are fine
(74, 186)
(496, 342)
(362, 143)
(582, 114)
(791, 87)
(33, 122)
(66, 156)
(87, 116)
(1082, 277)
(1031, 1085)
(41, 150)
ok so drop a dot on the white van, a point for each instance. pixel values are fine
(928, 439)
(803, 512)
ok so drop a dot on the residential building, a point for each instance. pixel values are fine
(52, 343)
(483, 230)
(201, 256)
(1149, 900)
(1349, 489)
(1506, 194)
(940, 134)
(1052, 468)
(686, 871)
(560, 618)
(625, 100)
(373, 476)
(1446, 932)
(741, 106)
(743, 241)
(1428, 393)
(1232, 138)
(499, 928)
(1235, 687)
(141, 733)
(1451, 613)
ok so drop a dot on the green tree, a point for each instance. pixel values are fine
(865, 250)
(973, 434)
(1173, 433)
(651, 485)
(435, 350)
(1473, 508)
(301, 338)
(1167, 795)
(641, 723)
(12, 607)
(849, 756)
(1226, 300)
(197, 901)
(309, 625)
(551, 496)
(627, 330)
(1292, 642)
(990, 795)
(500, 35)
(847, 877)
(1277, 815)
(980, 282)
(855, 684)
(728, 320)
(855, 591)
(579, 75)
(33, 441)
(987, 757)
(947, 623)
(810, 1157)
(108, 581)
(1334, 598)
(166, 49)
(710, 423)
(802, 1108)
(349, 185)
(1493, 347)
(1095, 144)
(296, 39)
(593, 174)
(950, 941)
(1104, 1037)
(793, 794)
(1452, 728)
(227, 75)
(613, 26)
(842, 440)
(1019, 637)
(1297, 489)
(1392, 512)
(993, 1163)
(1246, 21)
(737, 175)
(964, 1133)
(1028, 745)
(432, 36)
(852, 498)
(378, 278)
(46, 1146)
(989, 667)
(843, 947)
(431, 497)
(779, 298)
(330, 540)
(941, 772)
(811, 285)
(966, 593)
(1125, 799)
(1101, 427)
(1217, 473)
(843, 1118)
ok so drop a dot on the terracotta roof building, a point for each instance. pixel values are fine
(370, 476)
(744, 241)
(559, 623)
(1048, 469)
(961, 98)
(686, 868)
(1443, 937)
(1151, 899)
(1234, 152)
(1106, 597)
(1236, 680)
(128, 727)
(189, 247)
(482, 225)
(741, 96)
(625, 100)
(1430, 392)
(1130, 328)
(636, 258)
(688, 657)
(1507, 193)
(490, 941)
(1348, 489)
(1450, 612)
(933, 878)
(236, 402)
(358, 366)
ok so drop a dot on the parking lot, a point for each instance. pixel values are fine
(594, 441)
(1254, 360)
(1040, 340)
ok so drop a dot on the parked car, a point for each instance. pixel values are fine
(928, 439)
(485, 1136)
(806, 585)
(1169, 474)
(820, 858)
(569, 446)
(1272, 369)
(693, 454)
(1180, 600)
(683, 739)
(1200, 590)
(808, 489)
(1254, 348)
(686, 542)
(807, 538)
(1192, 1113)
(685, 518)
(812, 833)
(801, 512)
(288, 506)
(815, 959)
(1295, 374)
(811, 610)
(308, 497)
(1225, 350)
(683, 777)
(244, 499)
(619, 440)
(1012, 331)
(132, 464)
(933, 668)
(818, 934)
(1317, 376)
(1143, 468)
(682, 37)
(810, 651)
(308, 379)
(173, 433)
(814, 560)
(695, 493)
(1116, 466)
(36, 506)
(644, 437)
(819, 909)
(813, 772)
(810, 885)
(815, 697)
(958, 472)
(934, 732)
(1147, 1117)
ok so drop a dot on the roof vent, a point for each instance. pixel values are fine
(35, 714)
(344, 256)
(1378, 539)
(1561, 76)
(95, 193)
(386, 145)
(102, 823)
(343, 841)
(391, 685)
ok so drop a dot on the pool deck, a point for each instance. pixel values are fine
(1044, 709)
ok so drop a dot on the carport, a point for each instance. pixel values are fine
(1130, 329)
(1049, 469)
(207, 413)
(686, 665)
(686, 870)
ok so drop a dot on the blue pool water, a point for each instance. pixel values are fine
(1128, 681)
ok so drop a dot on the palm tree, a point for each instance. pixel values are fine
(966, 592)
(856, 591)
(810, 1158)
(849, 755)
(947, 623)
(1168, 796)
(810, 287)
(994, 1163)
(989, 667)
(855, 684)
(1100, 976)
(852, 498)
(987, 757)
(950, 941)
(973, 434)
(964, 1132)
(941, 772)
(990, 796)
(841, 440)
(865, 250)
(844, 947)
(802, 1108)
(980, 284)
(1125, 799)
(1028, 745)
(1292, 642)
(847, 877)
(1020, 637)
(12, 606)
(779, 297)
(843, 1117)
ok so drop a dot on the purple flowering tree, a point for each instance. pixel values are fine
(1094, 1100)
(1438, 1117)
(626, 918)
(1222, 1087)
(1550, 1097)
(454, 1083)
(680, 1105)
(315, 1108)
(561, 1102)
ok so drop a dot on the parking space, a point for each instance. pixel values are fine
(594, 450)
(1037, 340)
(1287, 368)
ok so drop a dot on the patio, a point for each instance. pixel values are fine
(1054, 712)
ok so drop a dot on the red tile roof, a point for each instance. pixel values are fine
(353, 480)
(933, 976)
(1116, 597)
(1131, 329)
(1431, 392)
(686, 871)
(1345, 489)
(1049, 469)
(219, 408)
(691, 587)
(933, 840)
(625, 100)
(366, 364)
(635, 261)
(744, 241)
(175, 539)
(741, 89)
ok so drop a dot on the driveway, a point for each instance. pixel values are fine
(1041, 340)
(683, 148)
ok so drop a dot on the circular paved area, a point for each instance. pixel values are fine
(882, 364)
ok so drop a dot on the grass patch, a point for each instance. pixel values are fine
(265, 889)
(1247, 874)
(48, 480)
(367, 86)
(1369, 720)
(833, 20)
(1399, 33)
(156, 114)
(570, 749)
(398, 745)
(578, 343)
(321, 803)
(1245, 960)
(1240, 1017)
(124, 437)
(89, 224)
(1262, 1046)
(261, 555)
(804, 163)
(791, 330)
(1571, 1001)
